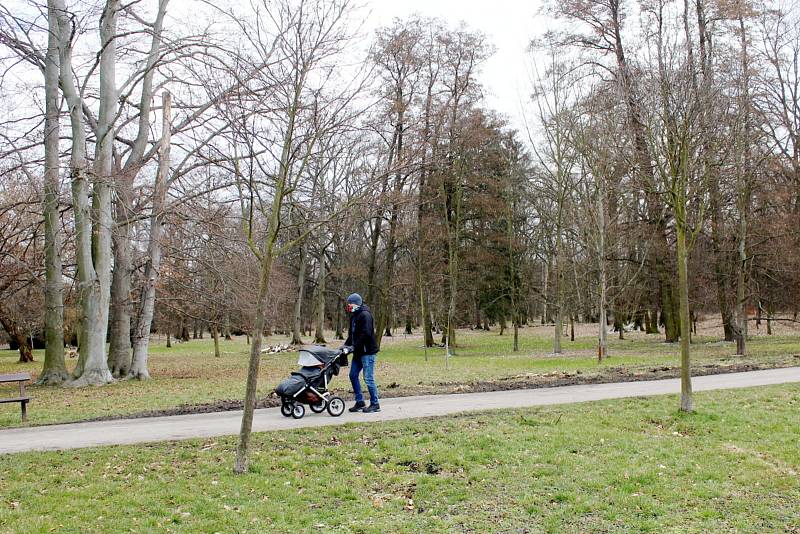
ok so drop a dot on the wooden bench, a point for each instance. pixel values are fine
(23, 399)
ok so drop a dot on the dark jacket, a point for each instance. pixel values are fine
(362, 333)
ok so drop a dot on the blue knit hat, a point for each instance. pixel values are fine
(356, 299)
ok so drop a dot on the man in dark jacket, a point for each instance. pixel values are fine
(361, 339)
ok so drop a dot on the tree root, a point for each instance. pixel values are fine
(93, 377)
(138, 375)
(52, 377)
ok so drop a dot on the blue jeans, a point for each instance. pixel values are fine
(367, 363)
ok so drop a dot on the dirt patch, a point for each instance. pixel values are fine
(531, 381)
(611, 374)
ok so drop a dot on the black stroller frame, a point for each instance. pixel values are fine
(311, 391)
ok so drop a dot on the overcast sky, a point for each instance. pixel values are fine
(509, 25)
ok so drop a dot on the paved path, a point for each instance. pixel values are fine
(128, 431)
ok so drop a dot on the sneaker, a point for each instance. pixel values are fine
(372, 408)
(357, 407)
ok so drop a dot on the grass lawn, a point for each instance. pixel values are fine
(188, 373)
(632, 465)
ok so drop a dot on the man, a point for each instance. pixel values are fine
(361, 338)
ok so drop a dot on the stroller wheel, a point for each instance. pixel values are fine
(286, 409)
(298, 411)
(319, 407)
(336, 406)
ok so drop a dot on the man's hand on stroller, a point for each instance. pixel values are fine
(345, 349)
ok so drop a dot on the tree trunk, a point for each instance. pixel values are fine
(741, 295)
(319, 334)
(652, 321)
(24, 345)
(602, 349)
(339, 332)
(619, 325)
(119, 354)
(227, 329)
(267, 257)
(559, 322)
(453, 221)
(478, 321)
(722, 282)
(645, 169)
(215, 335)
(383, 326)
(516, 334)
(390, 321)
(744, 201)
(93, 248)
(422, 269)
(671, 320)
(545, 278)
(93, 284)
(512, 268)
(720, 257)
(451, 309)
(571, 327)
(758, 314)
(557, 332)
(297, 338)
(54, 370)
(242, 452)
(144, 318)
(769, 319)
(683, 288)
(184, 330)
(427, 323)
(25, 349)
(373, 252)
(422, 211)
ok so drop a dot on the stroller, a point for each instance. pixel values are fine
(309, 386)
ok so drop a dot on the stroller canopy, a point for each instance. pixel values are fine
(315, 354)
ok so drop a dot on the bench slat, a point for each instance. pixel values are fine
(15, 377)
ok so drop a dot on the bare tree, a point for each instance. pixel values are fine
(677, 135)
(141, 335)
(54, 371)
(93, 262)
(554, 96)
(309, 33)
